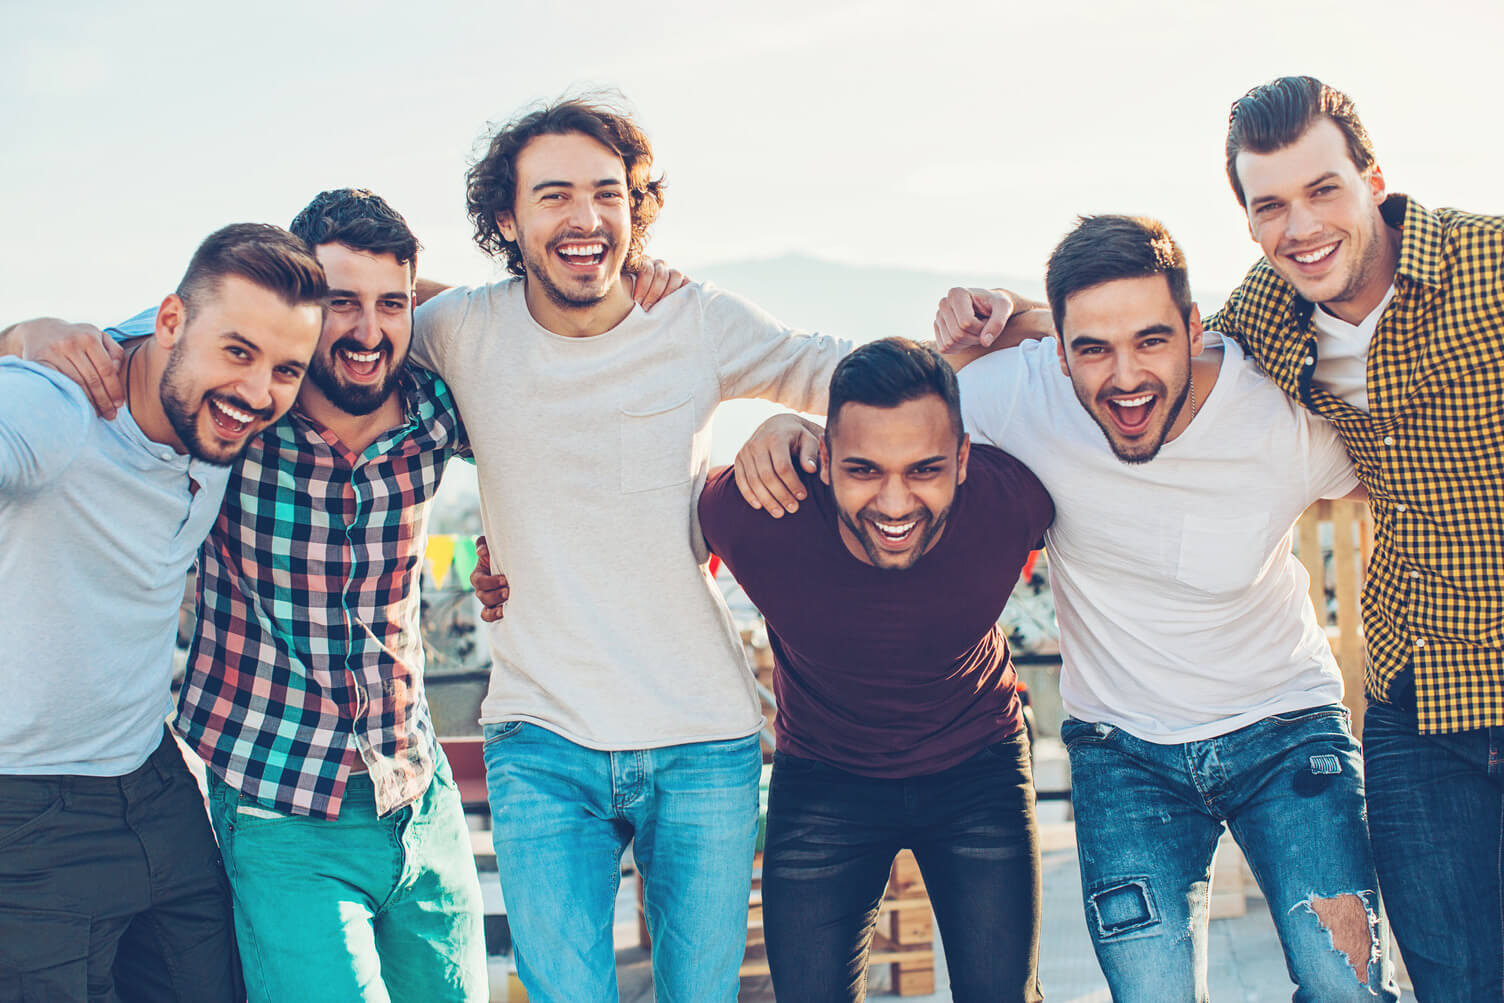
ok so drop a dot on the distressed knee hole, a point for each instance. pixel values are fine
(1124, 907)
(1352, 926)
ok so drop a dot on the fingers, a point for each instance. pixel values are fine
(959, 318)
(492, 590)
(102, 377)
(768, 479)
(655, 280)
(809, 452)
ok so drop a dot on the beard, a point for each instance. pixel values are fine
(565, 299)
(861, 528)
(1142, 451)
(355, 398)
(182, 413)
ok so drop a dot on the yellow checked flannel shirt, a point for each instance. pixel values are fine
(1430, 449)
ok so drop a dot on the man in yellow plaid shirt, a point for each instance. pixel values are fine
(1387, 319)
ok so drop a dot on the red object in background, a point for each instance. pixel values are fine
(715, 565)
(1029, 562)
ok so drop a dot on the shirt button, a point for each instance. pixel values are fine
(1310, 360)
(1415, 574)
(1400, 507)
(1388, 440)
(1420, 642)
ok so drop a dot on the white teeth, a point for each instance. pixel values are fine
(1135, 401)
(235, 413)
(895, 530)
(583, 250)
(1311, 257)
(362, 356)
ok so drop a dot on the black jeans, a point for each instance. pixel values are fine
(111, 888)
(1436, 817)
(831, 840)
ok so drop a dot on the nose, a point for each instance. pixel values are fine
(583, 214)
(1127, 373)
(1301, 221)
(894, 497)
(255, 387)
(368, 330)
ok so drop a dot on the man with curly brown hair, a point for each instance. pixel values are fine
(620, 706)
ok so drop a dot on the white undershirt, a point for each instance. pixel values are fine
(1342, 352)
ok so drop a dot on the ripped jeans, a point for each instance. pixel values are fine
(1148, 817)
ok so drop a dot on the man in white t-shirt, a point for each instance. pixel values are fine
(1200, 689)
(620, 705)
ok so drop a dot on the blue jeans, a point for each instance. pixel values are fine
(832, 837)
(357, 907)
(1148, 817)
(1436, 810)
(563, 814)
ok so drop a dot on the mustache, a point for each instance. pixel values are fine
(262, 414)
(352, 345)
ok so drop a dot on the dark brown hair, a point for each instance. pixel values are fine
(491, 182)
(1272, 116)
(891, 372)
(359, 219)
(265, 255)
(1107, 248)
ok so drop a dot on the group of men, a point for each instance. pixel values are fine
(1163, 471)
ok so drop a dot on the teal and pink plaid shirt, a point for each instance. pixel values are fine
(308, 658)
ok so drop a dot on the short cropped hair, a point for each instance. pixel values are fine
(1107, 248)
(1272, 116)
(361, 220)
(491, 183)
(890, 372)
(262, 254)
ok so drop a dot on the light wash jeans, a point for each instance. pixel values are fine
(562, 815)
(1148, 817)
(357, 908)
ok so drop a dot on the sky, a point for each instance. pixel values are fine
(943, 136)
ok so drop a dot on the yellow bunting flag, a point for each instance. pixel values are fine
(440, 556)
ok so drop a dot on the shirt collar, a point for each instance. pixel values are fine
(1421, 238)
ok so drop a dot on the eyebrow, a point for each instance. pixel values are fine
(602, 183)
(251, 346)
(1086, 340)
(863, 461)
(1264, 199)
(354, 294)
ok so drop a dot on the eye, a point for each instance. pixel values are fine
(1326, 190)
(925, 472)
(1268, 209)
(342, 304)
(394, 304)
(289, 372)
(236, 352)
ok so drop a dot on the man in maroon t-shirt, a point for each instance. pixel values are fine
(898, 721)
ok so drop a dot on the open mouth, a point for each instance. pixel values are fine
(229, 421)
(363, 365)
(1131, 414)
(1315, 256)
(582, 254)
(895, 535)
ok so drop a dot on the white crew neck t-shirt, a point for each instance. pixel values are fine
(1183, 614)
(1342, 353)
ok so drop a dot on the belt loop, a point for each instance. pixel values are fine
(65, 792)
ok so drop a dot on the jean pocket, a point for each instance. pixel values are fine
(19, 822)
(1308, 714)
(500, 732)
(656, 446)
(1074, 731)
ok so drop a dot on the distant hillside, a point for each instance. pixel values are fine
(863, 304)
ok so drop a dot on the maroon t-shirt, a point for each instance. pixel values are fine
(887, 673)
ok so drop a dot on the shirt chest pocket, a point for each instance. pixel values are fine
(656, 443)
(1220, 555)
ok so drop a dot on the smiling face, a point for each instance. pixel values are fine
(893, 473)
(368, 328)
(233, 367)
(1128, 353)
(1316, 217)
(572, 221)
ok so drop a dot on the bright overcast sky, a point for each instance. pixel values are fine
(933, 135)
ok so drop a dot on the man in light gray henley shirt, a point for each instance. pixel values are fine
(620, 705)
(110, 883)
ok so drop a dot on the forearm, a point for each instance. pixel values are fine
(426, 289)
(1030, 321)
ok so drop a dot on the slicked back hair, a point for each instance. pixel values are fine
(491, 183)
(890, 372)
(264, 255)
(1272, 116)
(361, 220)
(1107, 248)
